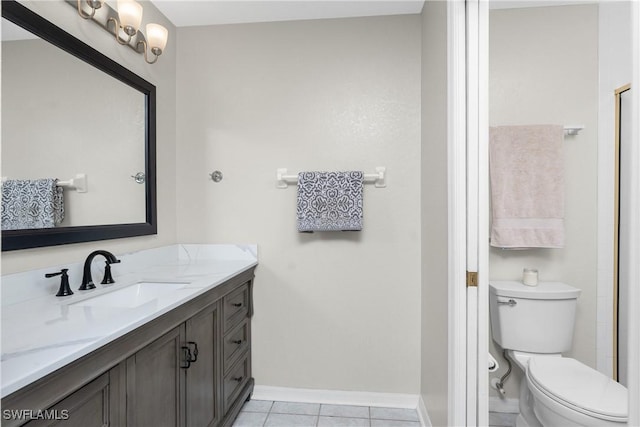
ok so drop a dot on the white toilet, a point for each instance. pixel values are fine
(535, 325)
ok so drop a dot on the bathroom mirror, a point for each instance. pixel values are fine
(69, 110)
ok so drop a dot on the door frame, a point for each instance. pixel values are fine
(457, 201)
(467, 39)
(474, 73)
(478, 211)
(634, 226)
(477, 251)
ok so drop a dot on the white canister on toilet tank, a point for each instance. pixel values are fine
(530, 277)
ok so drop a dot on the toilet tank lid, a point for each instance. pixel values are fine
(544, 290)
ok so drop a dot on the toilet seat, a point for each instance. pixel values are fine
(579, 387)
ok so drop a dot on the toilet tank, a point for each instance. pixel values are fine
(536, 319)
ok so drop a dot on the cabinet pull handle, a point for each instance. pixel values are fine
(237, 304)
(187, 357)
(236, 342)
(190, 357)
(195, 350)
(239, 379)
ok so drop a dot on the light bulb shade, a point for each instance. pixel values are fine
(157, 36)
(130, 14)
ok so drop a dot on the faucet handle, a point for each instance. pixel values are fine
(64, 289)
(108, 278)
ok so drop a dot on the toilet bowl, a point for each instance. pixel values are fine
(535, 325)
(568, 393)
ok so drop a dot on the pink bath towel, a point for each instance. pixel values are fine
(526, 166)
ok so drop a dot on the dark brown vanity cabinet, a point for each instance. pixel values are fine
(190, 367)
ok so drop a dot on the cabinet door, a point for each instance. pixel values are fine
(155, 383)
(203, 376)
(87, 407)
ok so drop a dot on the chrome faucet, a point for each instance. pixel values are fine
(87, 281)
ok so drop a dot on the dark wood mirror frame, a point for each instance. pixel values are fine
(23, 239)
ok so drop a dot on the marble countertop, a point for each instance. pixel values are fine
(42, 332)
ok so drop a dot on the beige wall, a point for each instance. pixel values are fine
(544, 69)
(434, 223)
(333, 310)
(162, 75)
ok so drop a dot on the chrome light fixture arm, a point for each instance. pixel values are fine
(156, 51)
(116, 31)
(93, 4)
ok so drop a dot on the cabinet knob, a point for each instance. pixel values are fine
(236, 342)
(237, 304)
(239, 379)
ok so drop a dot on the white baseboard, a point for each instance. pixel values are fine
(497, 404)
(336, 397)
(422, 413)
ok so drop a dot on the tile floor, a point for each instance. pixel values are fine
(502, 419)
(259, 413)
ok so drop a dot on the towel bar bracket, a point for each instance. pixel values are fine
(280, 178)
(572, 130)
(79, 183)
(378, 179)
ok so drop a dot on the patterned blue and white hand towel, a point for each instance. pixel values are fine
(330, 201)
(28, 204)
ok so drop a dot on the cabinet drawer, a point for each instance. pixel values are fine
(235, 306)
(235, 380)
(236, 341)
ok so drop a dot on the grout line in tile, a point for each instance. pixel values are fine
(342, 415)
(270, 411)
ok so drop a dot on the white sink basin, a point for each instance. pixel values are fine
(131, 296)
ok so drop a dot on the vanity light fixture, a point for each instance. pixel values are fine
(128, 20)
(157, 36)
(130, 14)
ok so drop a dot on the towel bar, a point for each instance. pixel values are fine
(79, 183)
(378, 179)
